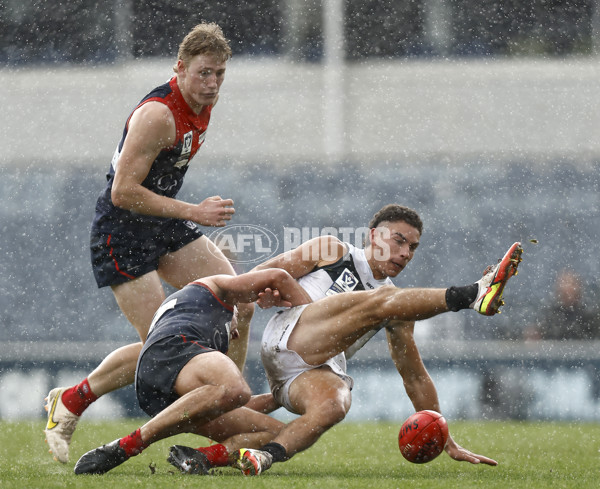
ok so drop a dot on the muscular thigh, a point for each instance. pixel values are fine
(200, 258)
(329, 326)
(313, 388)
(139, 299)
(210, 368)
(347, 308)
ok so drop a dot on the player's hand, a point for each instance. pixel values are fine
(271, 298)
(463, 455)
(214, 211)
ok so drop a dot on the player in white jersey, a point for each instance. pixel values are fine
(325, 266)
(349, 272)
(304, 360)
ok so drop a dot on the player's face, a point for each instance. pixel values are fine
(393, 245)
(200, 80)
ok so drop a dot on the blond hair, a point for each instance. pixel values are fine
(206, 38)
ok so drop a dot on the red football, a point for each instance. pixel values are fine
(423, 437)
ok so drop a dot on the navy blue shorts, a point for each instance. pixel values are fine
(157, 371)
(122, 256)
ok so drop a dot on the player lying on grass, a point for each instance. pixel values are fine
(185, 380)
(321, 392)
(341, 320)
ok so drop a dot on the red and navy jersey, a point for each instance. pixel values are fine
(167, 171)
(195, 314)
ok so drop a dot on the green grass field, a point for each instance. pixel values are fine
(531, 455)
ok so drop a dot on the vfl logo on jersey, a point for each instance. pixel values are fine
(186, 149)
(344, 283)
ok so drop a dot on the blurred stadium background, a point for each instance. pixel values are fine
(482, 115)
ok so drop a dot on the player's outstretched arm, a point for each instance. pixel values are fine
(418, 383)
(247, 287)
(461, 454)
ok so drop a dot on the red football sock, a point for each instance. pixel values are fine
(79, 397)
(217, 455)
(133, 444)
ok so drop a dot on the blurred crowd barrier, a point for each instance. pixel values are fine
(475, 380)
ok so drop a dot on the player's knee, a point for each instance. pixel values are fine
(236, 395)
(332, 412)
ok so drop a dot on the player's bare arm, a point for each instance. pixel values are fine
(419, 385)
(151, 129)
(300, 261)
(407, 359)
(247, 287)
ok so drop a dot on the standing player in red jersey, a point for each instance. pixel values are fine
(141, 233)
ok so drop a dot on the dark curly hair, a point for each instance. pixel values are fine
(395, 213)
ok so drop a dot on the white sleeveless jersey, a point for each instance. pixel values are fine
(352, 272)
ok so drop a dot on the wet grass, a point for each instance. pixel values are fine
(531, 455)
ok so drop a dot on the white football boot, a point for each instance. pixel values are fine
(61, 425)
(253, 462)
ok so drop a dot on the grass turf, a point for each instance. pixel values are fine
(530, 455)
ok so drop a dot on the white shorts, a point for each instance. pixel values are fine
(282, 366)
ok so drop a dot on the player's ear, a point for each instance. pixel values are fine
(374, 235)
(371, 235)
(180, 66)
